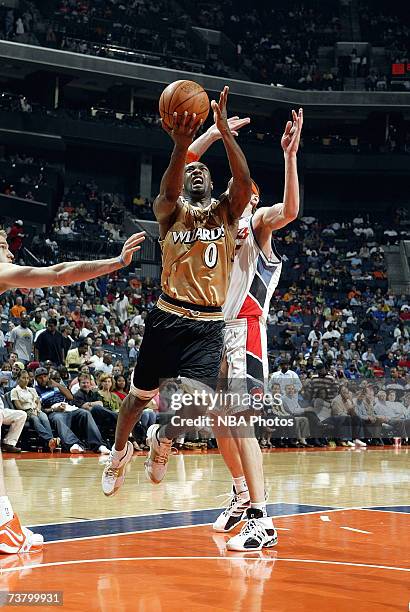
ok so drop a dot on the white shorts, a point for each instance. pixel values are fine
(245, 351)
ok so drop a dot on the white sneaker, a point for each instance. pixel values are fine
(257, 533)
(360, 443)
(350, 444)
(234, 513)
(76, 448)
(157, 460)
(113, 475)
(104, 450)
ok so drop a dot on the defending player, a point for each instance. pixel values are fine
(184, 331)
(255, 275)
(13, 537)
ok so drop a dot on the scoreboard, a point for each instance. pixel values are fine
(400, 70)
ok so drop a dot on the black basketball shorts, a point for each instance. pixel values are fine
(176, 346)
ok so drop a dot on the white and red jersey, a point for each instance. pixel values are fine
(254, 277)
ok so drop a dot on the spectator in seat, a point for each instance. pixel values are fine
(16, 419)
(398, 410)
(120, 386)
(285, 376)
(15, 237)
(364, 409)
(21, 339)
(347, 423)
(391, 426)
(109, 399)
(77, 357)
(291, 404)
(50, 344)
(74, 425)
(105, 366)
(38, 322)
(26, 399)
(18, 309)
(369, 357)
(90, 399)
(74, 386)
(12, 380)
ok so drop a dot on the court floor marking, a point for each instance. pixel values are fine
(356, 530)
(389, 509)
(123, 533)
(212, 558)
(124, 516)
(190, 524)
(153, 529)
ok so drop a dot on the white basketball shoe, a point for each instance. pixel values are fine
(257, 533)
(113, 475)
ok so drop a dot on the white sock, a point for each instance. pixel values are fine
(260, 506)
(118, 454)
(6, 511)
(240, 485)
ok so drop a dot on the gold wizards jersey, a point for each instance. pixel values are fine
(197, 254)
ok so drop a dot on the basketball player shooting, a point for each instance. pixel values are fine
(13, 537)
(254, 278)
(184, 332)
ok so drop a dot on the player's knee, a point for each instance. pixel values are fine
(142, 394)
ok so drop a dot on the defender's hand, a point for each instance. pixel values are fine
(291, 136)
(235, 124)
(131, 246)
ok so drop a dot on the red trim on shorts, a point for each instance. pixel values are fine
(250, 308)
(253, 338)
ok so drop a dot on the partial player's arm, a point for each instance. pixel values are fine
(240, 189)
(200, 146)
(66, 273)
(279, 215)
(182, 133)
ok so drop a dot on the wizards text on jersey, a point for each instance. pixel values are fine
(200, 233)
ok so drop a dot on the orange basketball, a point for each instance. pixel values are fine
(182, 96)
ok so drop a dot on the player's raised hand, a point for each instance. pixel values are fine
(235, 124)
(183, 129)
(131, 246)
(220, 112)
(291, 136)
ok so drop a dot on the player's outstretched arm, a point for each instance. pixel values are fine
(67, 273)
(240, 189)
(182, 133)
(201, 145)
(279, 215)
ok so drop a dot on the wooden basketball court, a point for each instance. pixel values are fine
(343, 518)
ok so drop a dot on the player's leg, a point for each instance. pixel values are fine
(229, 451)
(113, 476)
(258, 532)
(232, 370)
(144, 387)
(13, 537)
(197, 345)
(248, 449)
